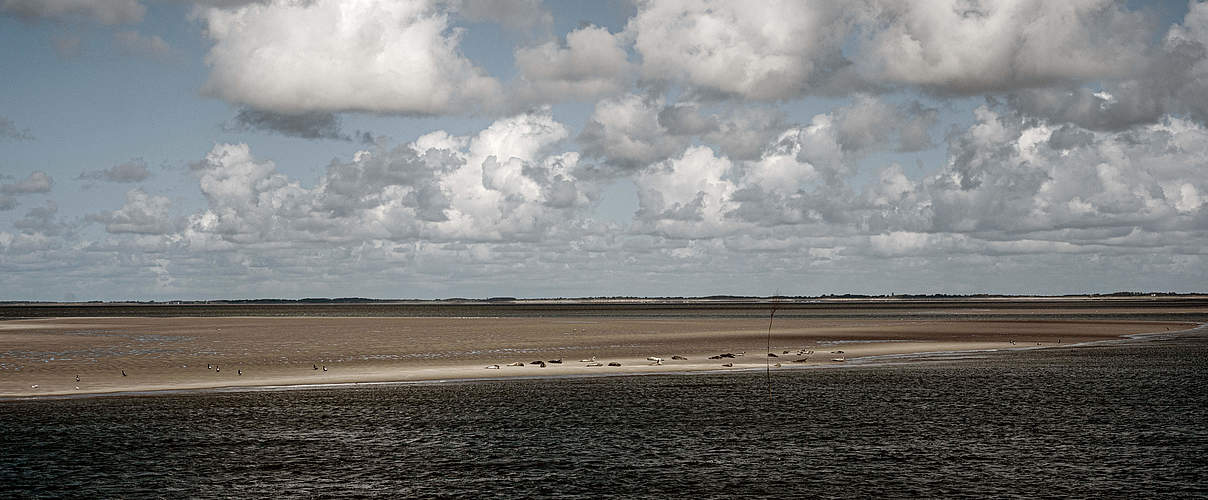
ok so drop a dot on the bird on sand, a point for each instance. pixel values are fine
(77, 377)
(123, 373)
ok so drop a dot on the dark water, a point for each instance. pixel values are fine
(1120, 421)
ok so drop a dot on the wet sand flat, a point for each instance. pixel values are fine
(158, 353)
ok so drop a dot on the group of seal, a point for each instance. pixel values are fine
(590, 362)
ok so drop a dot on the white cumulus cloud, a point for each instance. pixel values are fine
(972, 47)
(590, 63)
(504, 183)
(762, 50)
(330, 56)
(141, 214)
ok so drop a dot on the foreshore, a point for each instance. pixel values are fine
(44, 357)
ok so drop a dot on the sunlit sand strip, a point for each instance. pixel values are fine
(868, 354)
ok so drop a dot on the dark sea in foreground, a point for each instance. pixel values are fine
(1121, 420)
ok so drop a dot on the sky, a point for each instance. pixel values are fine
(168, 149)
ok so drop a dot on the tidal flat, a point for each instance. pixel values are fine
(95, 349)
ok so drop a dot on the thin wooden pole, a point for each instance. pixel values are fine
(767, 359)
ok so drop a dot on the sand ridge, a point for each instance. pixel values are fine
(44, 356)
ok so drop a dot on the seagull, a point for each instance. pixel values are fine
(209, 366)
(35, 386)
(217, 369)
(592, 360)
(123, 373)
(77, 378)
(239, 371)
(657, 360)
(493, 367)
(324, 367)
(314, 366)
(518, 363)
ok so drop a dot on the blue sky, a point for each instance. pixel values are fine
(414, 149)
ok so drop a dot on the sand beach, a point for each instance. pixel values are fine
(44, 356)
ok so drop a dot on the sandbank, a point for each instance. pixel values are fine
(43, 357)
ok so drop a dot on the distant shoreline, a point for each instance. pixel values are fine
(785, 299)
(1003, 307)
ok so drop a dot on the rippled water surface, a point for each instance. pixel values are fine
(1109, 421)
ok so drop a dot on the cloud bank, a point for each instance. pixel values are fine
(867, 147)
(375, 56)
